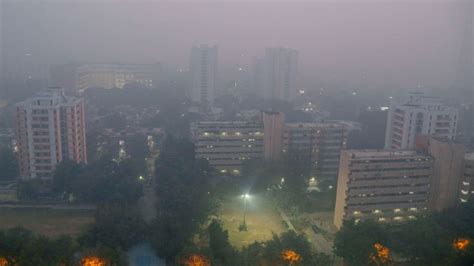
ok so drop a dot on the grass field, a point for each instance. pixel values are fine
(261, 218)
(49, 222)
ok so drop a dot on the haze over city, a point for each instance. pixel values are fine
(351, 43)
(236, 132)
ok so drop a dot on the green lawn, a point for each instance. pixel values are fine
(261, 218)
(49, 222)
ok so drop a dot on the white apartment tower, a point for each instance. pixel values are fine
(203, 68)
(419, 115)
(276, 75)
(49, 128)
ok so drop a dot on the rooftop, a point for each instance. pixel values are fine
(370, 154)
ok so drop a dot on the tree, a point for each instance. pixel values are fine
(22, 247)
(422, 241)
(184, 196)
(117, 226)
(65, 174)
(8, 164)
(221, 250)
(288, 248)
(106, 180)
(355, 242)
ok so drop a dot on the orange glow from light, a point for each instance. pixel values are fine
(290, 256)
(3, 261)
(196, 260)
(383, 253)
(93, 261)
(461, 243)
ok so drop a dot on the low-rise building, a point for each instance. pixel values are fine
(106, 75)
(321, 142)
(382, 185)
(228, 144)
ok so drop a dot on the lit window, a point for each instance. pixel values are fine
(413, 209)
(377, 211)
(397, 210)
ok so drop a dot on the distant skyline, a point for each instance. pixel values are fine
(365, 43)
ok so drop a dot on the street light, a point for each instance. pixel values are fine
(243, 226)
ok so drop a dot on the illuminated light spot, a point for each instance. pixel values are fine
(382, 254)
(290, 256)
(195, 260)
(3, 261)
(93, 261)
(461, 243)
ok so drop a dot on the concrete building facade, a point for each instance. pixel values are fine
(273, 128)
(203, 70)
(50, 128)
(321, 142)
(80, 77)
(228, 144)
(466, 191)
(417, 115)
(448, 159)
(382, 185)
(276, 74)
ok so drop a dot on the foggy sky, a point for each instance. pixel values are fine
(366, 43)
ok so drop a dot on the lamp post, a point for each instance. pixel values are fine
(243, 226)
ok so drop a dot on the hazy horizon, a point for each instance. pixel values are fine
(364, 43)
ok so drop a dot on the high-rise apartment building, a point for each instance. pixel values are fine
(382, 185)
(448, 158)
(321, 142)
(276, 74)
(50, 128)
(419, 115)
(105, 75)
(203, 68)
(466, 192)
(227, 145)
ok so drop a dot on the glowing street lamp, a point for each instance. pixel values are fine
(243, 226)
